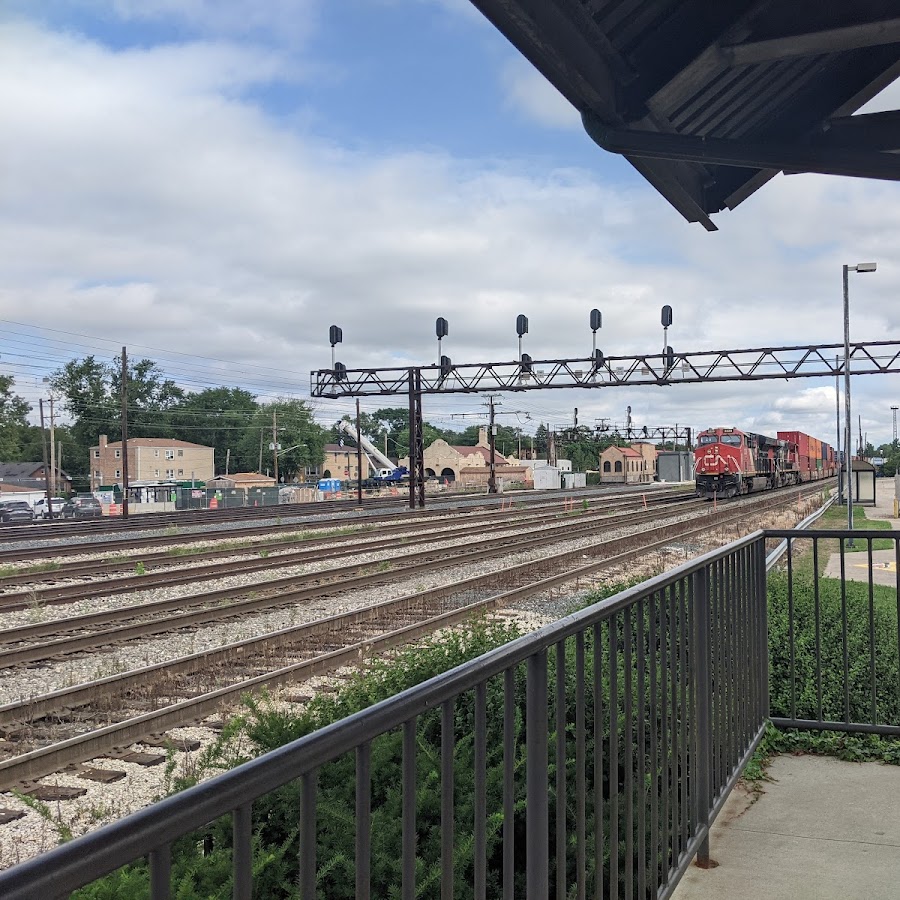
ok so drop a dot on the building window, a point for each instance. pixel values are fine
(156, 473)
(117, 454)
(156, 454)
(170, 454)
(170, 473)
(97, 474)
(618, 465)
(118, 473)
(181, 452)
(606, 466)
(181, 472)
(96, 454)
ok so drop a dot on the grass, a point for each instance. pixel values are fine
(836, 517)
(6, 571)
(795, 684)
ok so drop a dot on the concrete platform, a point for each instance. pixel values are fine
(884, 562)
(823, 829)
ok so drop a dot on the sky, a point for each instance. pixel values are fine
(213, 184)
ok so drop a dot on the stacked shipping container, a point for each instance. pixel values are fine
(809, 456)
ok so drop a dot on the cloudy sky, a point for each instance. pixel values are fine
(213, 184)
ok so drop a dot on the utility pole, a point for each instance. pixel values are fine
(837, 446)
(358, 457)
(492, 465)
(894, 411)
(124, 434)
(53, 485)
(46, 472)
(227, 459)
(275, 443)
(262, 431)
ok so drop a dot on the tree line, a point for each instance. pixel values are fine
(233, 421)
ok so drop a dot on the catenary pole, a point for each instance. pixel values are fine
(124, 433)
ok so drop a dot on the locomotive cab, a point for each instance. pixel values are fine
(729, 462)
(719, 464)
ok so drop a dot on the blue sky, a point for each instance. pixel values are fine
(226, 179)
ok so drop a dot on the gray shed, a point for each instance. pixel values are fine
(675, 465)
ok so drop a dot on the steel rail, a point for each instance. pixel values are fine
(46, 760)
(106, 566)
(427, 560)
(477, 502)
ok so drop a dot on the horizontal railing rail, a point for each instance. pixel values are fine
(600, 749)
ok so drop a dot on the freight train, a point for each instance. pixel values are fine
(729, 462)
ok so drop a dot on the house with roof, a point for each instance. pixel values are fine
(624, 465)
(150, 460)
(450, 463)
(30, 476)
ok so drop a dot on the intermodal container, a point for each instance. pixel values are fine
(798, 438)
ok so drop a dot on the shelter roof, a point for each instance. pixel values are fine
(708, 101)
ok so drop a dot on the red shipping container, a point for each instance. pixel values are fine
(798, 438)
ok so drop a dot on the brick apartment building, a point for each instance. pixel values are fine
(150, 459)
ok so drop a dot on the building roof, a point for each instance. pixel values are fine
(24, 470)
(6, 488)
(625, 451)
(499, 458)
(161, 443)
(241, 477)
(708, 101)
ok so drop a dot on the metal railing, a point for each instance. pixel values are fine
(598, 750)
(834, 636)
(631, 719)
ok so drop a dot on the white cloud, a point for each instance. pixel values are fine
(529, 93)
(148, 200)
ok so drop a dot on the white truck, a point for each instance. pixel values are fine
(387, 472)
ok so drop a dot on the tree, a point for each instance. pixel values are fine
(91, 392)
(14, 425)
(302, 440)
(219, 418)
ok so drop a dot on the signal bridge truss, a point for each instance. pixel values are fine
(761, 363)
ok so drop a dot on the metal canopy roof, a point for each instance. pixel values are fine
(709, 99)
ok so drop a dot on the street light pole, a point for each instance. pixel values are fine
(837, 400)
(848, 465)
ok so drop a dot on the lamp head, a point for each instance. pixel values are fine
(866, 267)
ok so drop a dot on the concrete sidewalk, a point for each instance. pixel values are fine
(823, 829)
(884, 567)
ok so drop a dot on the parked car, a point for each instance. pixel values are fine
(56, 504)
(82, 508)
(16, 512)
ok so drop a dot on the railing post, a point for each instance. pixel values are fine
(762, 603)
(537, 850)
(703, 711)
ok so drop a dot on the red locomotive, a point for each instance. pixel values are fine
(729, 462)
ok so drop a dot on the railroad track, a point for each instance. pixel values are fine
(90, 720)
(16, 555)
(204, 517)
(106, 565)
(29, 643)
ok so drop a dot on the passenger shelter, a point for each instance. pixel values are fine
(863, 482)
